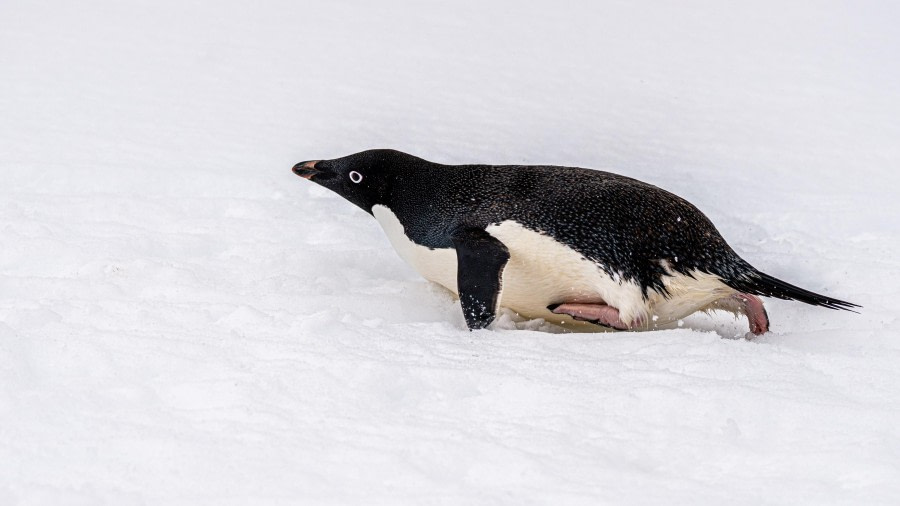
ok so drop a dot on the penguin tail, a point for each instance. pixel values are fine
(755, 282)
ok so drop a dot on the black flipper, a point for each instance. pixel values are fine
(480, 261)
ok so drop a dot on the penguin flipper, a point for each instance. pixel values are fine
(480, 261)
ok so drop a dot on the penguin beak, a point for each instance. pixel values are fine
(306, 170)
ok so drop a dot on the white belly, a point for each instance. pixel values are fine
(541, 272)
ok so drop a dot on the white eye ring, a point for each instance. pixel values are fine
(355, 176)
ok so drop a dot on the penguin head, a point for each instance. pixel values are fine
(363, 178)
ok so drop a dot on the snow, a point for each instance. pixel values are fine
(184, 321)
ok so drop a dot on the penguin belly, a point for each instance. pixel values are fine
(541, 272)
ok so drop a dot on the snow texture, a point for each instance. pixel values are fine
(184, 321)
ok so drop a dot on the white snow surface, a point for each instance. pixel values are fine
(184, 321)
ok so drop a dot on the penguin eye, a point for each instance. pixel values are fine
(355, 176)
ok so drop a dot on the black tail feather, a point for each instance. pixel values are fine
(760, 283)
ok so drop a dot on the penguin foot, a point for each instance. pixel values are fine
(753, 307)
(750, 306)
(598, 314)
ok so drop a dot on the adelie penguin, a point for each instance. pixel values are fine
(577, 247)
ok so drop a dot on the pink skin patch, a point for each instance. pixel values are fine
(595, 313)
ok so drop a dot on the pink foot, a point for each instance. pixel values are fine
(600, 314)
(751, 306)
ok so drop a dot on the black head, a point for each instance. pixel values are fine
(363, 178)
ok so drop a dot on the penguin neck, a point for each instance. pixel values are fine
(405, 182)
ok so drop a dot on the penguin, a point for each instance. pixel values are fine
(585, 249)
